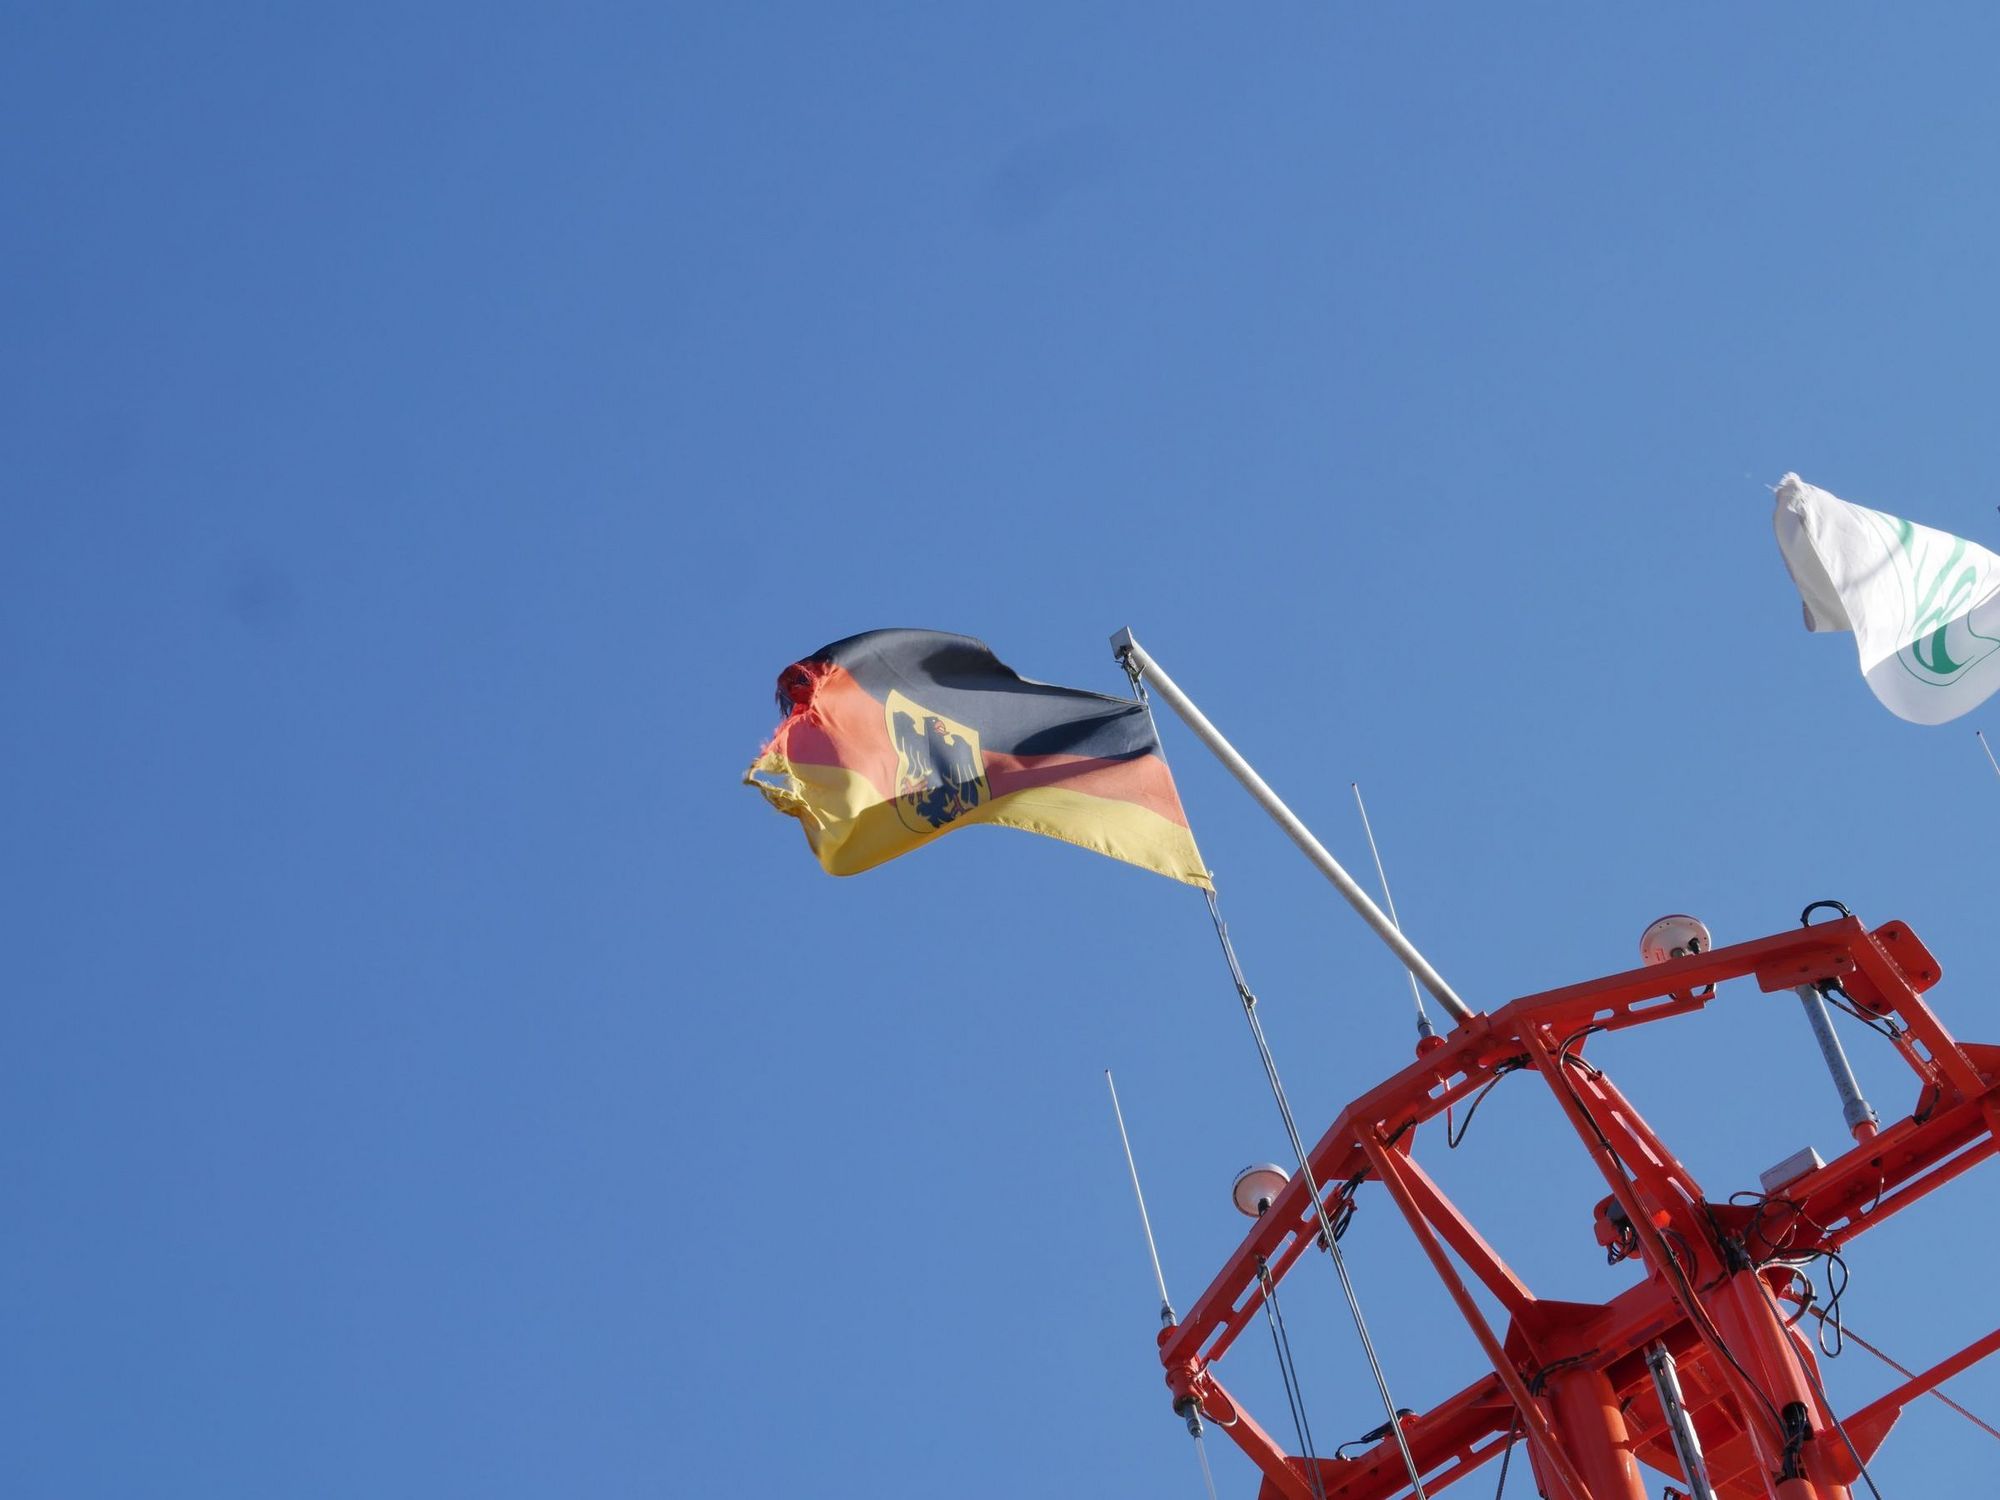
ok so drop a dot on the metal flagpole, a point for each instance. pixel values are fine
(1989, 751)
(1135, 663)
(1130, 653)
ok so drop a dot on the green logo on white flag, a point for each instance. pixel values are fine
(1939, 577)
(1924, 605)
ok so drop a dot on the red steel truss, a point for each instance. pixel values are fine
(1571, 1378)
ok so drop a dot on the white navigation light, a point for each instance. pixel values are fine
(1257, 1187)
(1674, 937)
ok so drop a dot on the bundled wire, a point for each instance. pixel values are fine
(1343, 1215)
(1812, 1378)
(1452, 1137)
(1681, 1273)
(1781, 1253)
(1506, 1458)
(1837, 1279)
(1882, 1025)
(1288, 1371)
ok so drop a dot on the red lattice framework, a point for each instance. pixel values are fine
(1571, 1378)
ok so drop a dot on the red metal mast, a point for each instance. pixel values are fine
(1573, 1378)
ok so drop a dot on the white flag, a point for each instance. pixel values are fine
(1924, 605)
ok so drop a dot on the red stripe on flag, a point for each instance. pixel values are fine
(841, 724)
(1144, 782)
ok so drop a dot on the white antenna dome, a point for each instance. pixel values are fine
(1674, 937)
(1257, 1188)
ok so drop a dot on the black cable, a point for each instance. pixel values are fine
(1764, 1201)
(1624, 1248)
(1343, 1213)
(1812, 1378)
(1924, 1111)
(1687, 1250)
(1570, 1041)
(1806, 1298)
(1452, 1138)
(1837, 1272)
(1513, 1436)
(1288, 1369)
(1540, 1378)
(1847, 1003)
(1284, 1370)
(1715, 1336)
(1832, 1315)
(1403, 1413)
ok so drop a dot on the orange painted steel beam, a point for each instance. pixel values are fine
(1283, 1477)
(1950, 1130)
(1869, 1425)
(1759, 1421)
(1592, 1430)
(1456, 1230)
(1531, 1411)
(1453, 1438)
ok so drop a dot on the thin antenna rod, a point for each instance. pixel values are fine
(1166, 1305)
(1207, 1477)
(1989, 751)
(1424, 1026)
(1159, 1276)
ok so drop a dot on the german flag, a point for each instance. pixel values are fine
(895, 737)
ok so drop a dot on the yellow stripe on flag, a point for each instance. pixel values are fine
(852, 828)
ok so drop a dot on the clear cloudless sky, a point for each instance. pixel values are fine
(425, 433)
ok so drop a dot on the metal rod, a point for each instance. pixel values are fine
(1989, 751)
(1207, 1476)
(1930, 1380)
(1862, 1121)
(1687, 1445)
(1166, 1304)
(1901, 1369)
(1128, 650)
(1424, 1027)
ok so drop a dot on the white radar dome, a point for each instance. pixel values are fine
(1674, 937)
(1257, 1188)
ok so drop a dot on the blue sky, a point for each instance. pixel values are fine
(427, 433)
